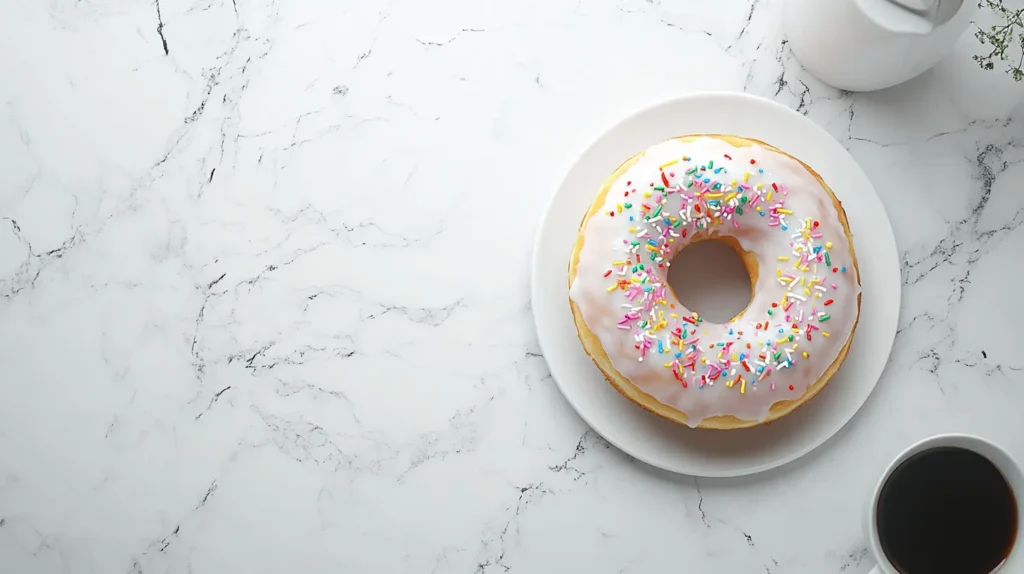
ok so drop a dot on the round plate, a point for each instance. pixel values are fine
(648, 437)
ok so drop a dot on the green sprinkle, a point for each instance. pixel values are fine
(791, 337)
(643, 325)
(656, 211)
(692, 171)
(677, 223)
(827, 260)
(739, 210)
(777, 355)
(641, 266)
(769, 311)
(634, 243)
(743, 199)
(634, 268)
(699, 320)
(824, 318)
(711, 164)
(659, 188)
(627, 205)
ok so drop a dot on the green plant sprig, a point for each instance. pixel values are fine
(1001, 38)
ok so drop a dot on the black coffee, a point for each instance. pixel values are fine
(946, 511)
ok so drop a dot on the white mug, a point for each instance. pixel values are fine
(999, 457)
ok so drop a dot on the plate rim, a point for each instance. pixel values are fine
(535, 263)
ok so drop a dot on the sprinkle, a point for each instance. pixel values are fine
(609, 272)
(825, 334)
(783, 258)
(791, 387)
(668, 163)
(829, 302)
(822, 318)
(828, 261)
(843, 269)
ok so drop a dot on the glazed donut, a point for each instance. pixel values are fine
(792, 235)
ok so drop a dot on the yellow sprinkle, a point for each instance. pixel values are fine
(712, 195)
(632, 230)
(732, 183)
(802, 280)
(613, 287)
(652, 248)
(805, 354)
(782, 340)
(786, 211)
(828, 245)
(807, 291)
(743, 386)
(729, 197)
(666, 164)
(729, 384)
(769, 196)
(618, 206)
(704, 360)
(735, 357)
(825, 334)
(617, 263)
(719, 355)
(746, 176)
(635, 279)
(783, 258)
(760, 186)
(667, 365)
(673, 315)
(647, 194)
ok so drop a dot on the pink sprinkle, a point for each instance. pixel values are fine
(834, 287)
(817, 235)
(787, 318)
(692, 341)
(788, 305)
(774, 223)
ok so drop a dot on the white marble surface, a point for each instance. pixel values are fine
(264, 269)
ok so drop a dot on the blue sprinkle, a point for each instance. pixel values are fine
(678, 354)
(718, 170)
(631, 218)
(660, 348)
(780, 330)
(760, 171)
(761, 213)
(843, 269)
(707, 180)
(784, 228)
(817, 249)
(743, 356)
(730, 331)
(652, 242)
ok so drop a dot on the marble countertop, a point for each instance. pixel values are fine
(264, 275)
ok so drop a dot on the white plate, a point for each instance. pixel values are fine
(675, 447)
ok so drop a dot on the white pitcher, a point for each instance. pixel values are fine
(865, 45)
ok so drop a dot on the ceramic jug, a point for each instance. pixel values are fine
(863, 45)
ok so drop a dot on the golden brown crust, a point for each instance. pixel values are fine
(727, 422)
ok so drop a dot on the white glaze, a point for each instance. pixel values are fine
(747, 395)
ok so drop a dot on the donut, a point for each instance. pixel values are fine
(792, 235)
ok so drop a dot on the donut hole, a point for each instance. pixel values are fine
(710, 277)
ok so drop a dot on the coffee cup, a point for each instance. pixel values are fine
(909, 533)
